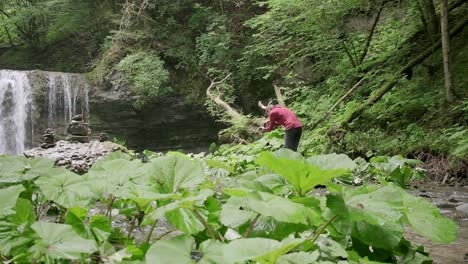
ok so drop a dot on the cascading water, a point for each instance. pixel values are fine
(36, 99)
(69, 93)
(15, 111)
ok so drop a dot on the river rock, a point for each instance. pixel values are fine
(463, 208)
(77, 157)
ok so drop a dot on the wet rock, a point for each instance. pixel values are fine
(77, 157)
(463, 208)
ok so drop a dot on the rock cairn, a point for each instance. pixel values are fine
(49, 139)
(78, 130)
(103, 137)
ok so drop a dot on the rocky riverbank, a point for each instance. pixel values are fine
(75, 156)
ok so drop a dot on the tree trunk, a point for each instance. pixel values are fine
(432, 21)
(446, 51)
(396, 77)
(371, 34)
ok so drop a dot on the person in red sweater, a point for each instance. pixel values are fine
(282, 116)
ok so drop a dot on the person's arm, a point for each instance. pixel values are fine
(273, 121)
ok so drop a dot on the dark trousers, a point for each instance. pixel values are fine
(292, 138)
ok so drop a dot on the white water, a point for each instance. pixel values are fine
(68, 92)
(15, 110)
(67, 95)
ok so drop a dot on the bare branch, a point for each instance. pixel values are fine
(279, 95)
(216, 99)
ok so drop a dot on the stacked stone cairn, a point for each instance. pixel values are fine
(78, 130)
(49, 139)
(103, 137)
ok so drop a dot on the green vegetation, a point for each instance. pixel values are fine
(266, 210)
(315, 51)
(366, 78)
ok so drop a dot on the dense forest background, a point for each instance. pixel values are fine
(366, 77)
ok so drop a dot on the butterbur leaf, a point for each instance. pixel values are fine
(8, 197)
(299, 258)
(279, 208)
(16, 235)
(233, 214)
(18, 169)
(176, 172)
(262, 250)
(373, 219)
(66, 189)
(302, 176)
(100, 226)
(427, 220)
(60, 241)
(76, 217)
(285, 153)
(177, 250)
(332, 161)
(186, 220)
(218, 164)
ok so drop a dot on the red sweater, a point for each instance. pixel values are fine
(282, 116)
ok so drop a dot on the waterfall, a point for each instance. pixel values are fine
(15, 111)
(68, 92)
(39, 100)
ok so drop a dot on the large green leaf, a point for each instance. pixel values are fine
(233, 213)
(372, 217)
(332, 161)
(186, 220)
(188, 202)
(17, 169)
(176, 172)
(262, 250)
(299, 258)
(179, 249)
(66, 189)
(302, 176)
(60, 241)
(279, 208)
(16, 235)
(8, 197)
(111, 176)
(427, 220)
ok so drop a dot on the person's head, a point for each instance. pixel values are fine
(268, 109)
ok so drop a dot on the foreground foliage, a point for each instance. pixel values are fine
(263, 211)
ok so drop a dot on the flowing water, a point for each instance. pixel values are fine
(15, 111)
(446, 198)
(66, 96)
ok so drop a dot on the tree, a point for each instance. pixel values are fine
(430, 19)
(446, 51)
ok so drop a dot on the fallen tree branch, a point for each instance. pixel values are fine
(396, 77)
(221, 103)
(279, 95)
(327, 113)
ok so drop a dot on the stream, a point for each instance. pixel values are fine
(446, 198)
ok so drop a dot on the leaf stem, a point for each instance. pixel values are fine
(166, 233)
(251, 227)
(320, 230)
(132, 226)
(151, 231)
(109, 208)
(202, 219)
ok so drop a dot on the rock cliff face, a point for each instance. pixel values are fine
(166, 124)
(54, 98)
